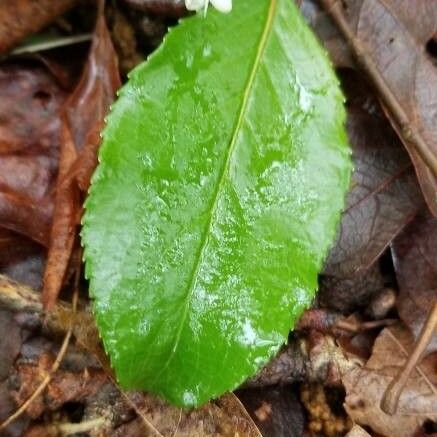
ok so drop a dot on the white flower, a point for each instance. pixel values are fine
(221, 5)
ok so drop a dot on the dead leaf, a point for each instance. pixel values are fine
(7, 407)
(10, 344)
(30, 100)
(65, 385)
(328, 33)
(315, 357)
(415, 262)
(384, 193)
(81, 382)
(169, 8)
(82, 119)
(20, 18)
(366, 386)
(219, 418)
(348, 294)
(357, 431)
(21, 259)
(389, 39)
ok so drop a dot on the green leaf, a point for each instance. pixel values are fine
(221, 180)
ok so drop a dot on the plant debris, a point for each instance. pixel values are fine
(379, 282)
(365, 387)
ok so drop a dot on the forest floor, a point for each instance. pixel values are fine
(362, 361)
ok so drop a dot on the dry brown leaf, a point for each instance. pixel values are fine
(30, 100)
(389, 39)
(347, 294)
(21, 259)
(384, 194)
(366, 386)
(224, 417)
(82, 120)
(357, 431)
(415, 262)
(10, 344)
(20, 18)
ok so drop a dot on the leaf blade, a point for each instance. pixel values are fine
(213, 200)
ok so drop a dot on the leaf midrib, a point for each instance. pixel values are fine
(242, 112)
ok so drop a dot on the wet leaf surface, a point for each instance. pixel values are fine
(415, 261)
(197, 208)
(390, 37)
(365, 387)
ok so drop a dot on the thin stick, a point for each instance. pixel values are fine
(390, 400)
(74, 428)
(364, 326)
(408, 132)
(179, 422)
(137, 410)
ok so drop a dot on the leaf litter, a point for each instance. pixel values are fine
(31, 140)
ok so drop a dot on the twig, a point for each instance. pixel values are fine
(86, 426)
(408, 132)
(48, 377)
(390, 400)
(177, 425)
(136, 409)
(52, 43)
(364, 326)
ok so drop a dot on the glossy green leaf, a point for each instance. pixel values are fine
(221, 180)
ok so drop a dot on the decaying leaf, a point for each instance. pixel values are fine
(21, 259)
(347, 294)
(366, 386)
(415, 261)
(20, 18)
(30, 100)
(384, 193)
(332, 39)
(223, 417)
(82, 118)
(389, 39)
(10, 344)
(358, 431)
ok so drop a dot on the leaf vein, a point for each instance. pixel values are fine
(242, 112)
